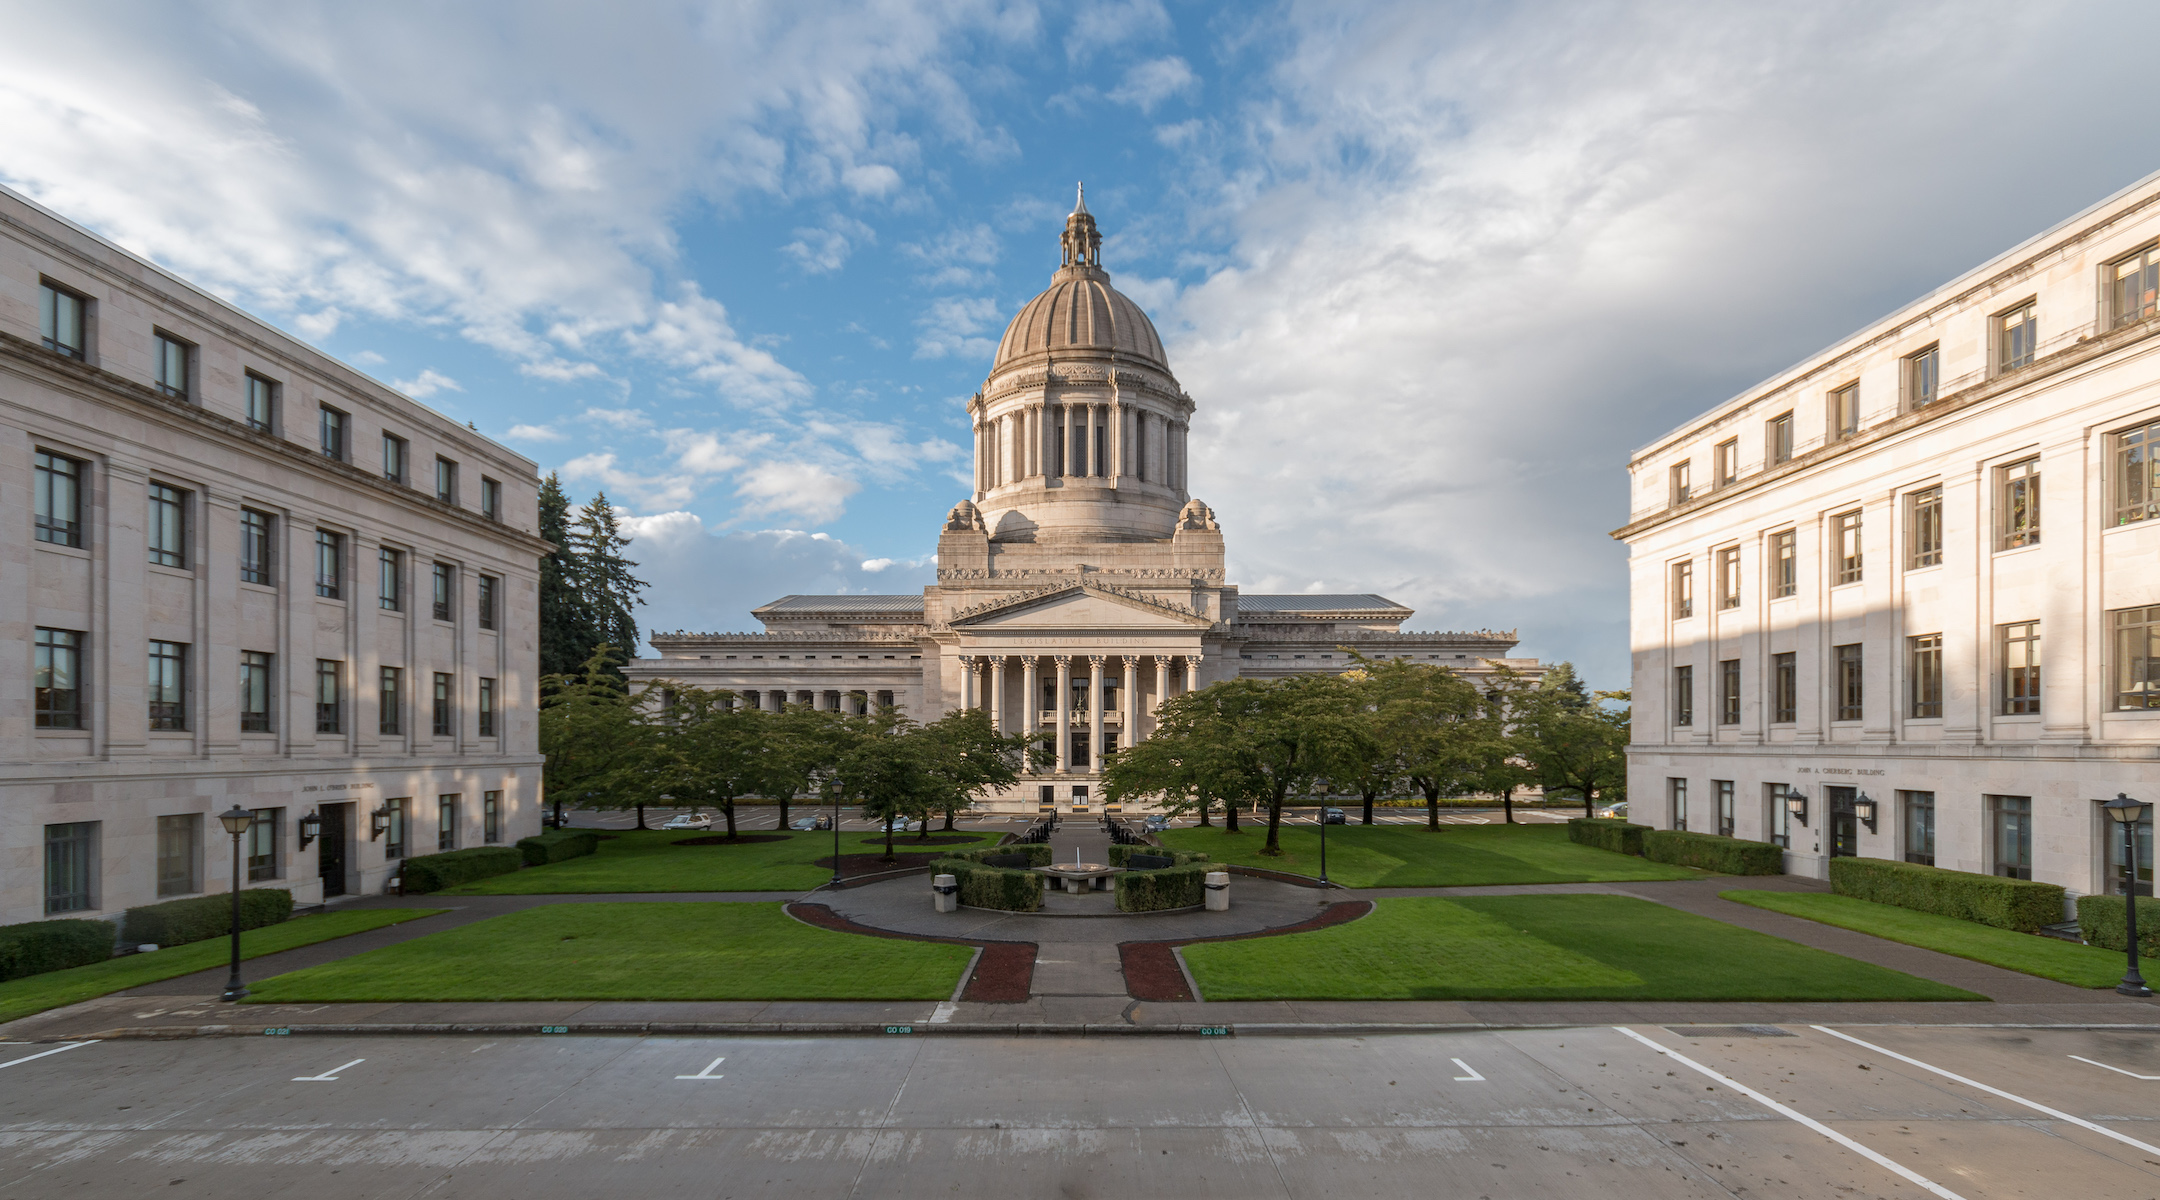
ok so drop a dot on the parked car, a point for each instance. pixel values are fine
(1333, 816)
(688, 821)
(1617, 811)
(811, 824)
(1155, 824)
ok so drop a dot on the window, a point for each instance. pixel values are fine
(2016, 332)
(487, 708)
(1924, 670)
(1844, 412)
(443, 591)
(167, 531)
(58, 503)
(1784, 564)
(261, 841)
(394, 455)
(442, 705)
(70, 867)
(257, 547)
(1784, 688)
(2017, 504)
(1924, 528)
(1681, 487)
(1724, 789)
(2137, 657)
(2137, 474)
(2013, 835)
(166, 687)
(490, 499)
(1728, 577)
(171, 366)
(1919, 826)
(446, 481)
(1729, 692)
(2021, 667)
(329, 714)
(329, 563)
(390, 698)
(491, 817)
(1777, 439)
(1725, 464)
(333, 433)
(1683, 695)
(1922, 377)
(255, 691)
(261, 404)
(1683, 590)
(2112, 869)
(394, 836)
(1677, 789)
(179, 854)
(1780, 818)
(446, 822)
(1849, 684)
(56, 678)
(2137, 286)
(1847, 530)
(487, 590)
(390, 572)
(60, 321)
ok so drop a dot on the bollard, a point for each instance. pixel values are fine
(1218, 891)
(945, 890)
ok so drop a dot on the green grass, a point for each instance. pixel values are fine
(1413, 856)
(635, 950)
(1540, 948)
(2049, 958)
(36, 993)
(650, 861)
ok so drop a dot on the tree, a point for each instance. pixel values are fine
(1287, 734)
(1572, 741)
(712, 750)
(566, 638)
(802, 751)
(1378, 765)
(964, 753)
(591, 737)
(888, 777)
(607, 589)
(1501, 767)
(1427, 715)
(1187, 764)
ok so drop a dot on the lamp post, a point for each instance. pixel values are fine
(836, 839)
(1323, 839)
(2127, 815)
(236, 821)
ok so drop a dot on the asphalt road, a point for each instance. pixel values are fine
(1581, 1112)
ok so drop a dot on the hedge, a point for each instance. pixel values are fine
(40, 946)
(1606, 833)
(2100, 923)
(1119, 855)
(1182, 886)
(992, 887)
(1710, 852)
(434, 872)
(1038, 854)
(2018, 904)
(556, 845)
(178, 922)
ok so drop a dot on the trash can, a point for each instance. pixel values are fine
(1218, 891)
(945, 890)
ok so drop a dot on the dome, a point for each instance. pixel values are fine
(1081, 311)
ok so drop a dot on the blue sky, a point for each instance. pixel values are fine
(1429, 270)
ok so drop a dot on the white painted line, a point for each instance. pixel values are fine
(707, 1072)
(2118, 1070)
(943, 1013)
(1469, 1074)
(1901, 1170)
(2057, 1113)
(329, 1076)
(43, 1053)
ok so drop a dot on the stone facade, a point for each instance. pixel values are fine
(1080, 584)
(1840, 583)
(196, 609)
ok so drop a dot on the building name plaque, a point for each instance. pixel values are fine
(1836, 771)
(337, 787)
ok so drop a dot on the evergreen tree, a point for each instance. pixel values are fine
(566, 637)
(606, 588)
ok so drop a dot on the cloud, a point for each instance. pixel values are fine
(1109, 24)
(618, 418)
(427, 383)
(824, 249)
(535, 433)
(800, 489)
(954, 325)
(1150, 83)
(957, 258)
(692, 334)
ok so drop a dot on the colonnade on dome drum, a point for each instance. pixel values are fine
(1091, 702)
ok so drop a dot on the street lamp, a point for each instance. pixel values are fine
(1796, 804)
(2127, 815)
(236, 821)
(310, 829)
(836, 839)
(1864, 808)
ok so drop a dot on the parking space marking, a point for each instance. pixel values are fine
(2035, 1105)
(43, 1053)
(2118, 1070)
(1898, 1168)
(1469, 1074)
(329, 1076)
(707, 1072)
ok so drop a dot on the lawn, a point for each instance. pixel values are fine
(652, 861)
(1411, 856)
(684, 950)
(2049, 958)
(1540, 948)
(36, 993)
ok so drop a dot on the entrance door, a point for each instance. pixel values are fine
(1844, 822)
(330, 849)
(1080, 798)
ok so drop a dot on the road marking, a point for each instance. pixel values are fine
(43, 1053)
(2057, 1113)
(329, 1076)
(1470, 1074)
(707, 1072)
(943, 1013)
(1879, 1160)
(2118, 1070)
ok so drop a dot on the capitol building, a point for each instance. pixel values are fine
(1079, 585)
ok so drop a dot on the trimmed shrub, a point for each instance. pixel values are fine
(992, 887)
(1710, 852)
(1038, 853)
(178, 922)
(1182, 886)
(2018, 904)
(1605, 833)
(556, 845)
(40, 946)
(434, 872)
(2100, 923)
(1119, 855)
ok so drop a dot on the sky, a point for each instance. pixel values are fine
(1429, 270)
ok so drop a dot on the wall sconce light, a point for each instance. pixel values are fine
(1796, 804)
(1864, 808)
(310, 829)
(378, 822)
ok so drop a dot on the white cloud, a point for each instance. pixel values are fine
(874, 565)
(801, 489)
(535, 433)
(427, 383)
(1107, 24)
(873, 179)
(1150, 83)
(954, 325)
(618, 418)
(692, 334)
(823, 249)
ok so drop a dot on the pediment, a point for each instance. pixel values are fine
(1078, 606)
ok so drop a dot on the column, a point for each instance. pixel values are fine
(1162, 685)
(997, 692)
(1129, 704)
(1064, 712)
(1030, 696)
(1095, 721)
(1192, 672)
(967, 681)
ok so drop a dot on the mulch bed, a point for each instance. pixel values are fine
(1151, 970)
(909, 839)
(721, 839)
(876, 864)
(1003, 975)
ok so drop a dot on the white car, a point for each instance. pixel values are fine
(688, 821)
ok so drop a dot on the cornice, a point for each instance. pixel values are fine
(685, 638)
(1016, 599)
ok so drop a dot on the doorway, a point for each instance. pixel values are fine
(330, 849)
(1844, 822)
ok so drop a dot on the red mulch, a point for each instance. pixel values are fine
(1151, 970)
(1003, 975)
(721, 839)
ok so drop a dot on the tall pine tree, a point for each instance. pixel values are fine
(605, 584)
(565, 621)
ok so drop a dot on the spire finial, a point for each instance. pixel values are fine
(1080, 206)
